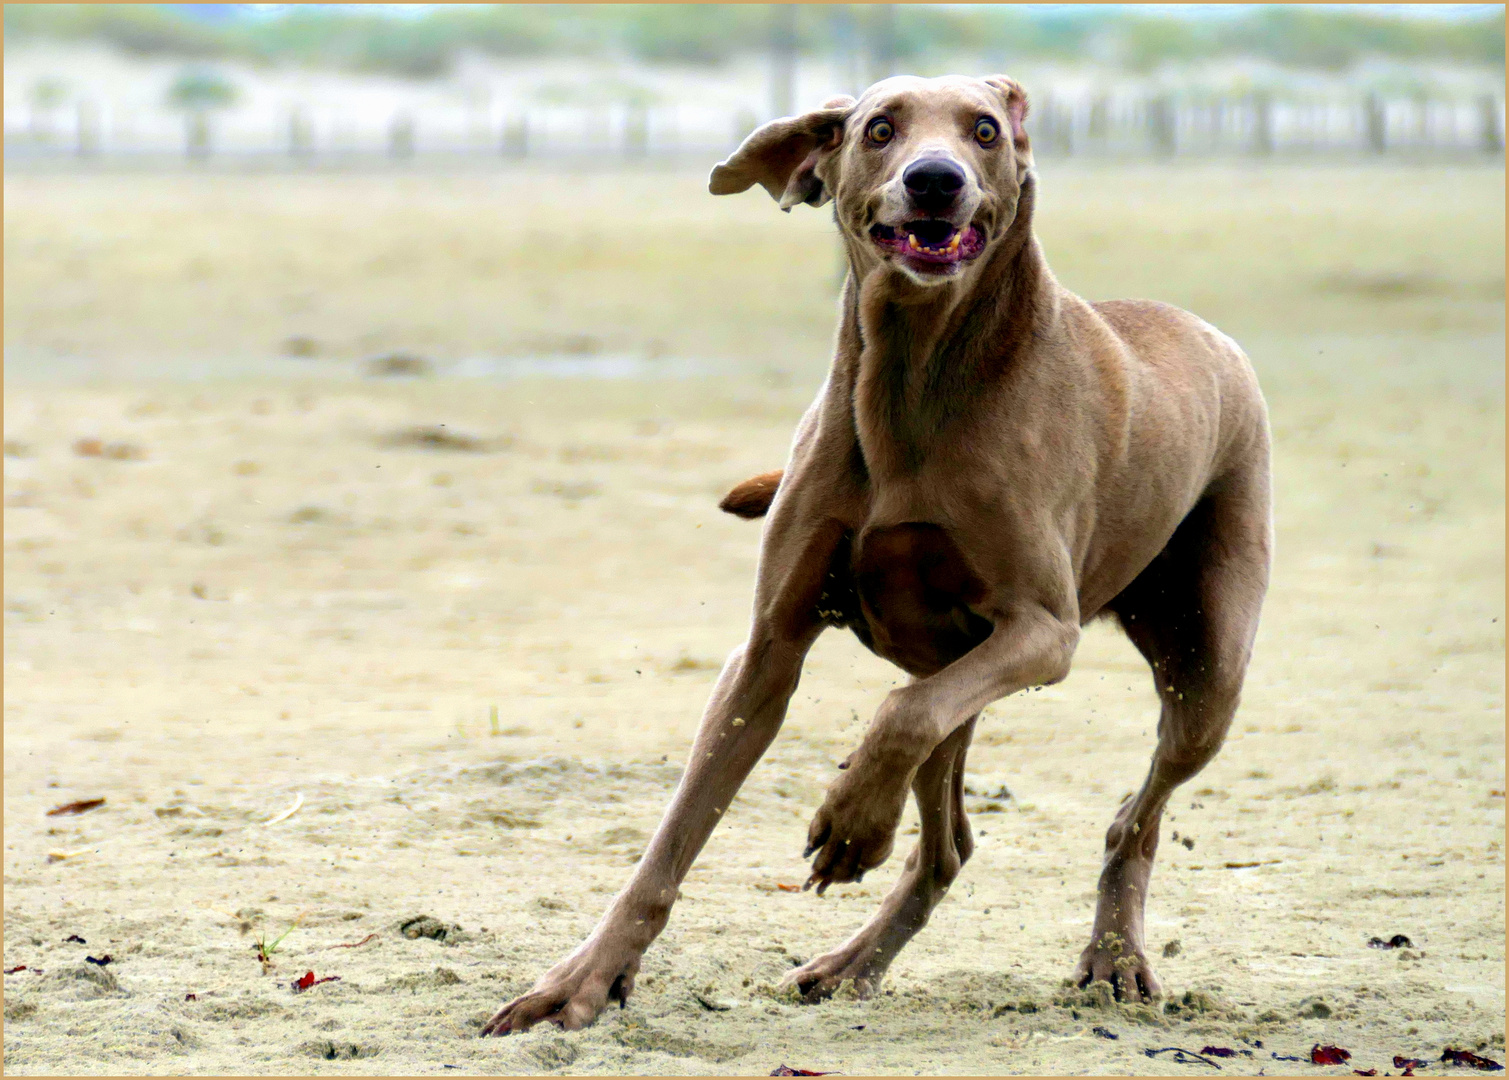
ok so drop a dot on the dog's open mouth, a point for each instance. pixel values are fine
(931, 242)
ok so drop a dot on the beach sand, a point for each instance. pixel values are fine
(463, 628)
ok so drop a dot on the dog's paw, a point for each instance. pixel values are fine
(1110, 958)
(855, 828)
(570, 995)
(857, 964)
(817, 980)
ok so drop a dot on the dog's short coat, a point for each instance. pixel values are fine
(991, 463)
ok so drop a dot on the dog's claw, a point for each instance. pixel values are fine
(573, 993)
(1125, 969)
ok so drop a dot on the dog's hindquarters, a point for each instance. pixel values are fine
(1193, 614)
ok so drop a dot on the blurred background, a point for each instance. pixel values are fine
(504, 188)
(334, 83)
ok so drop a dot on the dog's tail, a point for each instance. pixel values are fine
(752, 498)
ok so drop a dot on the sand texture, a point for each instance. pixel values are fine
(463, 629)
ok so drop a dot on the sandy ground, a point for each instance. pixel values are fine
(473, 655)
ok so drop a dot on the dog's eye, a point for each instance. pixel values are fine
(986, 132)
(880, 131)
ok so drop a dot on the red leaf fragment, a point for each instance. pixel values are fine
(191, 997)
(1365, 1072)
(75, 939)
(18, 967)
(77, 807)
(1402, 1062)
(354, 944)
(1398, 941)
(787, 1070)
(99, 961)
(307, 980)
(117, 451)
(787, 888)
(1469, 1060)
(1329, 1055)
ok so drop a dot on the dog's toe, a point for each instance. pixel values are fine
(1125, 970)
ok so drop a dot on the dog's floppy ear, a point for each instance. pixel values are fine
(782, 157)
(1016, 108)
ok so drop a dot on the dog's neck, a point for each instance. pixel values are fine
(917, 355)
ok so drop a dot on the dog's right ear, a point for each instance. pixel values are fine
(1016, 108)
(782, 157)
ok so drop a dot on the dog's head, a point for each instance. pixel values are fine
(925, 174)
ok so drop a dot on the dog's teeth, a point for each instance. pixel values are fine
(911, 239)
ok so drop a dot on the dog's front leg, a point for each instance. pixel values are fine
(741, 720)
(743, 717)
(855, 828)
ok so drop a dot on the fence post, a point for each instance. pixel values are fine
(882, 41)
(88, 132)
(1422, 120)
(1044, 138)
(670, 130)
(1160, 125)
(516, 137)
(637, 132)
(782, 59)
(401, 136)
(1058, 128)
(1376, 123)
(1492, 132)
(744, 123)
(196, 135)
(846, 38)
(300, 135)
(1099, 128)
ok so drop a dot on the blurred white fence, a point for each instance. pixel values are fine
(1106, 127)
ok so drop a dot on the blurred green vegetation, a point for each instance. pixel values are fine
(198, 89)
(427, 44)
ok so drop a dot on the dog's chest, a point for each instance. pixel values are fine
(905, 590)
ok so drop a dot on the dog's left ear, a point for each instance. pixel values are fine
(782, 157)
(1016, 108)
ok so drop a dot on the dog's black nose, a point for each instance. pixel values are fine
(933, 184)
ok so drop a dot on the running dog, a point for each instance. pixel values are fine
(991, 463)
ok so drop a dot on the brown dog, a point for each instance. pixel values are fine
(991, 463)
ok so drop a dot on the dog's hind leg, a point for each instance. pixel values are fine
(1193, 614)
(943, 847)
